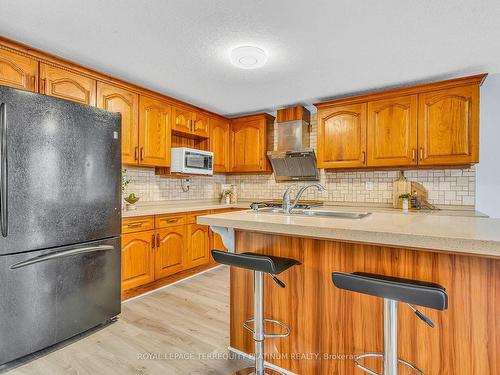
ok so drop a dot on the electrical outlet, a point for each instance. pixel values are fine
(369, 185)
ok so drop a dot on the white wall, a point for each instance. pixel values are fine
(488, 169)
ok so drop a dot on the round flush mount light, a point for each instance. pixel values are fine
(248, 57)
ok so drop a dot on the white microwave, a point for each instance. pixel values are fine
(192, 161)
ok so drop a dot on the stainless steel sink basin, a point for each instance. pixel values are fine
(314, 213)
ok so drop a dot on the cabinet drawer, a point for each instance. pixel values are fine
(191, 218)
(138, 224)
(164, 221)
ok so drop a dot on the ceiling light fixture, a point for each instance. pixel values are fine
(248, 57)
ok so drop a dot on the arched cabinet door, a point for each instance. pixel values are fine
(392, 132)
(448, 126)
(137, 259)
(64, 84)
(115, 99)
(154, 132)
(247, 143)
(201, 125)
(342, 136)
(219, 144)
(18, 71)
(198, 245)
(182, 120)
(170, 250)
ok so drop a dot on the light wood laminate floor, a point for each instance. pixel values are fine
(189, 319)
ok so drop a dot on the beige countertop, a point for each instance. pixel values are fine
(454, 233)
(170, 207)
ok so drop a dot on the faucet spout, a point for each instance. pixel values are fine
(287, 206)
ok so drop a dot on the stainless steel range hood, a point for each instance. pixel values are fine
(294, 159)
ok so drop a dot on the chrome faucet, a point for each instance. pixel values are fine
(287, 205)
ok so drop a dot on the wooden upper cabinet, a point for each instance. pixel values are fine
(170, 250)
(182, 119)
(137, 259)
(198, 239)
(248, 143)
(154, 132)
(201, 125)
(188, 122)
(115, 99)
(64, 84)
(18, 71)
(448, 126)
(219, 144)
(342, 136)
(392, 132)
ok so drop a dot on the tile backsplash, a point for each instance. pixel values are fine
(150, 187)
(445, 186)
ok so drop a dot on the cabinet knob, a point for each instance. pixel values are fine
(421, 153)
(363, 154)
(413, 154)
(136, 154)
(158, 240)
(153, 241)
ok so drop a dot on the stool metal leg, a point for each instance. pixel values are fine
(390, 337)
(258, 336)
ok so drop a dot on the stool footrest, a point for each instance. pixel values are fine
(246, 325)
(380, 355)
(251, 371)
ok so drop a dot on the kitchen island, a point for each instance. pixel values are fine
(329, 326)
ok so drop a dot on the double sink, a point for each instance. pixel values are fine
(314, 213)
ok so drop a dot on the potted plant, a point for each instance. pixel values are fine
(227, 196)
(131, 199)
(406, 198)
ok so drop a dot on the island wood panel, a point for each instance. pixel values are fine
(327, 320)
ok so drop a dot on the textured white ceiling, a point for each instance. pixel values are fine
(318, 49)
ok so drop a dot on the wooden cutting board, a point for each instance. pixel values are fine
(400, 186)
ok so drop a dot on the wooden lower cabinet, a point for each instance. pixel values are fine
(138, 261)
(170, 251)
(198, 249)
(158, 248)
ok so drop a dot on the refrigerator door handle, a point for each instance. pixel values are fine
(4, 223)
(67, 253)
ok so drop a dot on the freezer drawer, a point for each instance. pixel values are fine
(50, 295)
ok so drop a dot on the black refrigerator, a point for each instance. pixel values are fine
(60, 213)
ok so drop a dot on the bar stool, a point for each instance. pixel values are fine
(260, 264)
(392, 290)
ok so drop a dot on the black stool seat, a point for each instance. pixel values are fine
(414, 292)
(254, 262)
